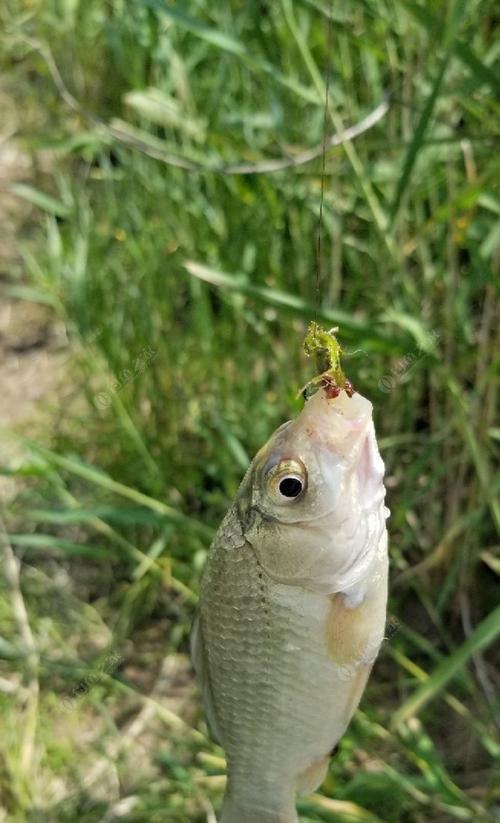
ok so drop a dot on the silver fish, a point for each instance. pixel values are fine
(293, 606)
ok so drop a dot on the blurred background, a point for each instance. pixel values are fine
(161, 178)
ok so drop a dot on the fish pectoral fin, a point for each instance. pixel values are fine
(354, 632)
(199, 661)
(348, 630)
(312, 778)
(358, 685)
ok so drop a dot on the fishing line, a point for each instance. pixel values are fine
(323, 162)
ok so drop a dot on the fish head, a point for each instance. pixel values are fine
(312, 505)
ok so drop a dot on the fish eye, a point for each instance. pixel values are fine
(286, 480)
(290, 486)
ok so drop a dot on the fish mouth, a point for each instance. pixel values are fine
(339, 423)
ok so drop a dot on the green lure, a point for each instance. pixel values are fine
(326, 349)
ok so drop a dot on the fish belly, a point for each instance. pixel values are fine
(280, 702)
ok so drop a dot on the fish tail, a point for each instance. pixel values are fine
(233, 812)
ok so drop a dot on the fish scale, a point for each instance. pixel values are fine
(270, 700)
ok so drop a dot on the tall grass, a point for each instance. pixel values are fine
(185, 295)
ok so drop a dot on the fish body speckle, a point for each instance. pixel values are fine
(292, 606)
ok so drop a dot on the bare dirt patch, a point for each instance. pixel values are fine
(32, 346)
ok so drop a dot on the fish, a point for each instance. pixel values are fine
(292, 607)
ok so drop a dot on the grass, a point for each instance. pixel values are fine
(185, 293)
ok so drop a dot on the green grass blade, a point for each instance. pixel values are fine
(480, 638)
(59, 544)
(114, 514)
(34, 295)
(478, 454)
(285, 301)
(233, 46)
(99, 478)
(40, 199)
(448, 43)
(418, 140)
(134, 435)
(371, 197)
(481, 71)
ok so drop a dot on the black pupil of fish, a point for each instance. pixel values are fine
(290, 487)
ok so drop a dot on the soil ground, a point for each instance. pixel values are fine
(32, 345)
